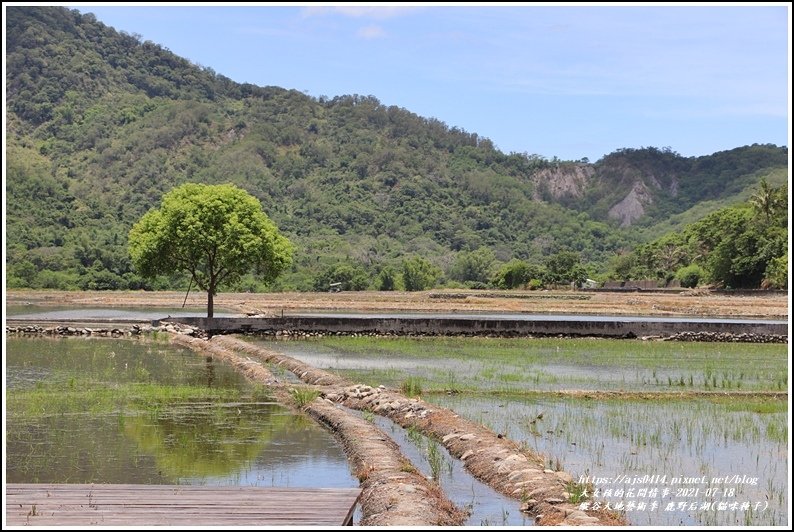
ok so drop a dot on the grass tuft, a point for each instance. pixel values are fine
(412, 387)
(304, 396)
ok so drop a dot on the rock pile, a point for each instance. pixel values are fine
(114, 332)
(63, 330)
(691, 336)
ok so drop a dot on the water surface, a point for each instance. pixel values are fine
(129, 411)
(546, 364)
(620, 440)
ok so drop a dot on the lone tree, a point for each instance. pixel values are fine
(216, 233)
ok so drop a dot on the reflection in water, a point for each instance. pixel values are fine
(204, 441)
(487, 506)
(111, 361)
(546, 364)
(210, 372)
(62, 429)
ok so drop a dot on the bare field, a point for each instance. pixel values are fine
(684, 303)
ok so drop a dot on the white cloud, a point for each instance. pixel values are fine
(371, 32)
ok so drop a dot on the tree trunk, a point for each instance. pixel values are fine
(211, 286)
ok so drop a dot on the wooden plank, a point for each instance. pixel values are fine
(140, 505)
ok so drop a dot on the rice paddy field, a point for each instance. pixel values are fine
(123, 411)
(692, 434)
(548, 365)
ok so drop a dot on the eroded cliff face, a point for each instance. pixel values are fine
(630, 188)
(632, 207)
(640, 186)
(566, 180)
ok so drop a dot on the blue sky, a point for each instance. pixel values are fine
(563, 80)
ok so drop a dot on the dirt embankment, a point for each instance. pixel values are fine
(393, 492)
(692, 303)
(492, 458)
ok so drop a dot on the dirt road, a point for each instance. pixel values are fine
(683, 303)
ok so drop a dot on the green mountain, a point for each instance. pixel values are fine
(100, 125)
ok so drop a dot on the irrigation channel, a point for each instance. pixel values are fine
(557, 427)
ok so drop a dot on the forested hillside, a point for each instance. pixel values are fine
(745, 246)
(100, 125)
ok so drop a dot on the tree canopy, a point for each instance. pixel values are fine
(419, 274)
(216, 233)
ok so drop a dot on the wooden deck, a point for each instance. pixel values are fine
(143, 505)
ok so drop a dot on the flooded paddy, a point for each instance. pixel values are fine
(134, 411)
(143, 411)
(487, 506)
(516, 365)
(613, 443)
(698, 461)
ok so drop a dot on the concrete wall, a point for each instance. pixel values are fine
(476, 326)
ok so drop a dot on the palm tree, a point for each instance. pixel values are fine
(669, 258)
(765, 201)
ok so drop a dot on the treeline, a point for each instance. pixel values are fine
(478, 269)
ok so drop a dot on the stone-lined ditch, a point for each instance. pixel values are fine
(503, 464)
(394, 493)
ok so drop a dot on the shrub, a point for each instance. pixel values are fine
(776, 274)
(352, 278)
(388, 279)
(690, 276)
(512, 275)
